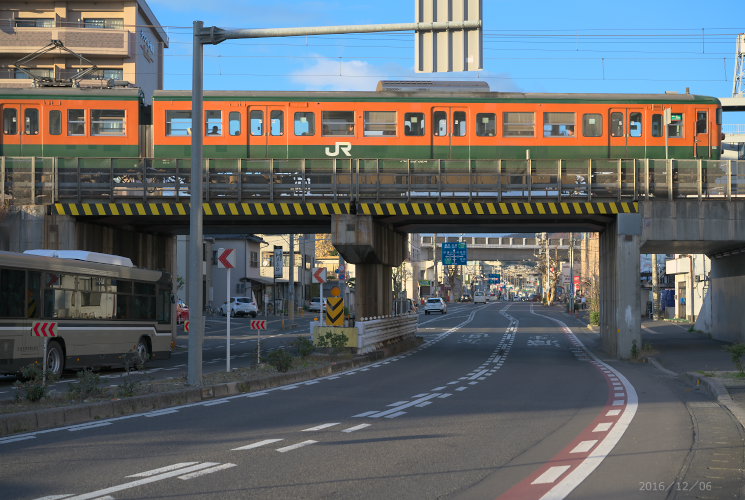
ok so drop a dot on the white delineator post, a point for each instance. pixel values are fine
(226, 260)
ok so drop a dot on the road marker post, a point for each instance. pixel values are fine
(45, 330)
(258, 325)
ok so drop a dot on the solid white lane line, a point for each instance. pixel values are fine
(163, 469)
(14, 439)
(551, 475)
(584, 446)
(55, 497)
(356, 428)
(296, 446)
(366, 414)
(399, 403)
(83, 427)
(257, 444)
(204, 472)
(320, 427)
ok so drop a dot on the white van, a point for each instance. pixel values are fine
(479, 298)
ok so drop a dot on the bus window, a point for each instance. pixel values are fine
(635, 124)
(657, 125)
(234, 122)
(257, 122)
(12, 288)
(414, 124)
(10, 121)
(616, 124)
(441, 123)
(305, 123)
(31, 121)
(277, 122)
(592, 125)
(55, 122)
(33, 295)
(486, 124)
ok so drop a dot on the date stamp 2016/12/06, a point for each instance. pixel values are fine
(675, 486)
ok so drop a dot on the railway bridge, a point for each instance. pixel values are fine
(134, 207)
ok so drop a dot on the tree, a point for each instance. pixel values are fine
(324, 247)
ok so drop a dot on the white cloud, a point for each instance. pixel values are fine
(339, 74)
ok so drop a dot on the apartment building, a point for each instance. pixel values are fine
(122, 38)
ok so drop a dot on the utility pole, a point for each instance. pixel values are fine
(291, 290)
(655, 289)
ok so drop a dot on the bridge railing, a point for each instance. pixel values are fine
(44, 180)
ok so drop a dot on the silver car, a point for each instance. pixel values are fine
(435, 304)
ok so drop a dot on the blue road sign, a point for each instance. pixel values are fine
(454, 253)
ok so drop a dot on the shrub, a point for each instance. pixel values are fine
(335, 341)
(594, 317)
(737, 351)
(89, 384)
(280, 359)
(128, 387)
(31, 385)
(304, 347)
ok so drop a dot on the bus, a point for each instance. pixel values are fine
(107, 312)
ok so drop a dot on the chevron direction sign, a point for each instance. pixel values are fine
(319, 275)
(258, 324)
(44, 329)
(226, 258)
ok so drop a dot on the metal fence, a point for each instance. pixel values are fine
(42, 180)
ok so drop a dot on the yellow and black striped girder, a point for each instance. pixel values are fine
(326, 209)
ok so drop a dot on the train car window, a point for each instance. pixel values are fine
(558, 124)
(305, 123)
(657, 125)
(414, 124)
(635, 125)
(459, 123)
(675, 128)
(10, 121)
(441, 123)
(257, 122)
(55, 122)
(337, 123)
(719, 116)
(234, 122)
(107, 122)
(75, 122)
(592, 125)
(31, 121)
(379, 123)
(178, 123)
(277, 122)
(486, 124)
(213, 125)
(702, 120)
(518, 124)
(616, 124)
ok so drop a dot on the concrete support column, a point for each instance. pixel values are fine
(374, 248)
(620, 313)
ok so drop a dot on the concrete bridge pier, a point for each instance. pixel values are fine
(375, 249)
(620, 295)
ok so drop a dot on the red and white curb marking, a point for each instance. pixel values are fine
(572, 465)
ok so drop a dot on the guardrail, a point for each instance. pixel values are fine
(45, 180)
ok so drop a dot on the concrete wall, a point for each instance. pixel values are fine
(727, 291)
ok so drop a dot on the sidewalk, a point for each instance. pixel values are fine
(673, 348)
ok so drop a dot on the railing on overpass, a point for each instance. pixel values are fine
(45, 180)
(516, 242)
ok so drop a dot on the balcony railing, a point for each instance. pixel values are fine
(43, 180)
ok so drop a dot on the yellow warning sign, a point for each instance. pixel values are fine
(335, 311)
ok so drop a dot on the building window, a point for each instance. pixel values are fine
(10, 121)
(253, 259)
(486, 124)
(213, 125)
(55, 122)
(37, 72)
(107, 74)
(34, 23)
(592, 125)
(557, 124)
(414, 124)
(75, 122)
(338, 123)
(31, 121)
(178, 123)
(234, 122)
(277, 122)
(107, 122)
(379, 123)
(305, 123)
(518, 124)
(257, 122)
(100, 23)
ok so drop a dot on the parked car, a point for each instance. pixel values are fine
(479, 298)
(315, 304)
(182, 312)
(435, 304)
(240, 306)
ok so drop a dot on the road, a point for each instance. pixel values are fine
(502, 400)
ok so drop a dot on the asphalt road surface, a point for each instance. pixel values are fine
(502, 400)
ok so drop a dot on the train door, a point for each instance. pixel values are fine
(703, 137)
(450, 132)
(626, 134)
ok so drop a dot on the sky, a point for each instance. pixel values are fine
(649, 46)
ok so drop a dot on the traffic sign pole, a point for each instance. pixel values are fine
(227, 347)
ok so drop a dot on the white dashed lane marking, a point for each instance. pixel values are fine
(257, 445)
(296, 446)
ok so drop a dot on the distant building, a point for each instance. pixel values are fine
(123, 38)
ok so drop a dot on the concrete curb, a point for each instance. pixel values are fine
(36, 420)
(718, 391)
